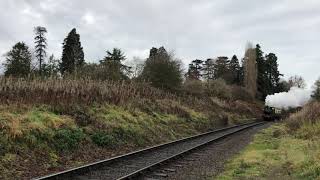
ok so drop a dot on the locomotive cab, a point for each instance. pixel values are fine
(271, 113)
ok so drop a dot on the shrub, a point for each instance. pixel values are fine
(193, 87)
(67, 139)
(5, 144)
(81, 114)
(172, 107)
(219, 88)
(240, 93)
(309, 115)
(131, 134)
(103, 139)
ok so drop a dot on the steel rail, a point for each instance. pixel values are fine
(150, 167)
(92, 166)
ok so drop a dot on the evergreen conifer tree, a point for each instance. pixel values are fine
(72, 55)
(112, 63)
(195, 69)
(272, 74)
(261, 78)
(41, 45)
(18, 61)
(235, 70)
(162, 70)
(316, 92)
(222, 69)
(208, 69)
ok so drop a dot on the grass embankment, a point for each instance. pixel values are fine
(289, 150)
(54, 124)
(40, 139)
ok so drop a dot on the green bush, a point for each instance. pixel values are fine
(131, 134)
(162, 70)
(103, 139)
(35, 137)
(193, 87)
(67, 139)
(5, 144)
(240, 93)
(219, 88)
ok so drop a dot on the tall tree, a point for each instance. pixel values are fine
(235, 70)
(18, 61)
(112, 63)
(316, 92)
(162, 70)
(262, 80)
(194, 71)
(222, 69)
(72, 55)
(283, 86)
(272, 73)
(208, 70)
(41, 45)
(268, 73)
(250, 71)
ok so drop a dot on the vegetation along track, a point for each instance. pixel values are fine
(132, 165)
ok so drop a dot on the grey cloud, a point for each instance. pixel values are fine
(194, 29)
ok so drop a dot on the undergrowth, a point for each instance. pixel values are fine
(51, 137)
(290, 150)
(61, 123)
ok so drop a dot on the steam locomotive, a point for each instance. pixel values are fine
(272, 113)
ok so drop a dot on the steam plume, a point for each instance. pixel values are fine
(296, 97)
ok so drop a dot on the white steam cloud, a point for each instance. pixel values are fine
(296, 97)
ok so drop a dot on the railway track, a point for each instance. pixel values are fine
(132, 165)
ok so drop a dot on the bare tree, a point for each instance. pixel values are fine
(297, 81)
(250, 70)
(137, 65)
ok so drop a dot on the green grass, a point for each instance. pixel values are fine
(50, 138)
(276, 154)
(138, 128)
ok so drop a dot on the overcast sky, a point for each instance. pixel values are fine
(192, 28)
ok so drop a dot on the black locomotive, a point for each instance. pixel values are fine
(272, 113)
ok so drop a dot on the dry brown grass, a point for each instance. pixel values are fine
(51, 118)
(84, 91)
(310, 115)
(64, 95)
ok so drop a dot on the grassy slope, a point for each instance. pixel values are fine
(290, 150)
(52, 140)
